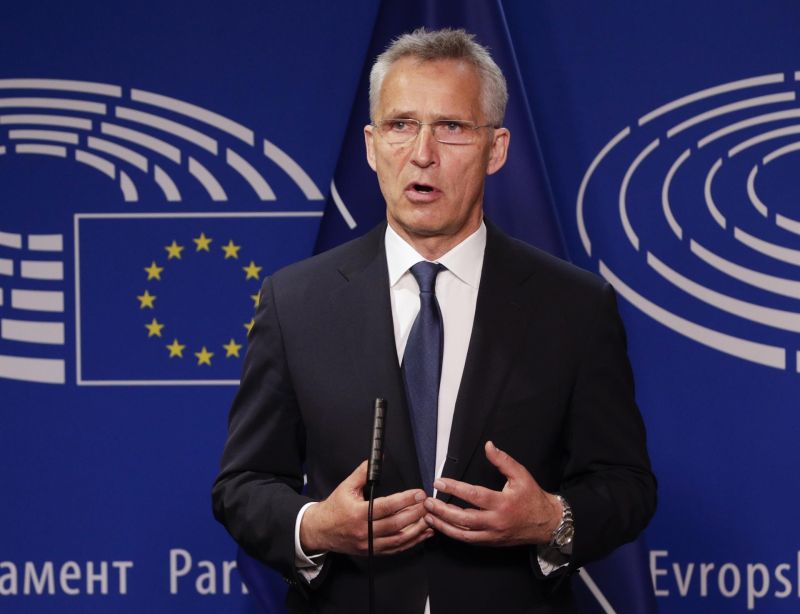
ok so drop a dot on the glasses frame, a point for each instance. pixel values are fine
(465, 123)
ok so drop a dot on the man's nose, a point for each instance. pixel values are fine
(425, 147)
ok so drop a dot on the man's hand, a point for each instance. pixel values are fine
(339, 523)
(522, 513)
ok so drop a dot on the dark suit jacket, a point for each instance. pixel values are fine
(547, 379)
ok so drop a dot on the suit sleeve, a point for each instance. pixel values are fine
(257, 493)
(607, 477)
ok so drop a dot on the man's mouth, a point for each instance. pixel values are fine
(423, 188)
(422, 193)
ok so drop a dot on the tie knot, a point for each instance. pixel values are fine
(425, 273)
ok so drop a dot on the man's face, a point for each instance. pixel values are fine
(434, 189)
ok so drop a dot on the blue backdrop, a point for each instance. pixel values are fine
(158, 159)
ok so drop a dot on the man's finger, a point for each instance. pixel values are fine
(458, 532)
(479, 496)
(358, 479)
(503, 461)
(391, 504)
(408, 538)
(398, 522)
(468, 519)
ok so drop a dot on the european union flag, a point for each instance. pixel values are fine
(169, 298)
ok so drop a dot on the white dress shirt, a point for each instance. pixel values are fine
(457, 293)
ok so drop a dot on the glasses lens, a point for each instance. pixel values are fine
(397, 131)
(454, 132)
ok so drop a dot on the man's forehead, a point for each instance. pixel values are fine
(436, 88)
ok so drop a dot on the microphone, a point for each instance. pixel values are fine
(375, 464)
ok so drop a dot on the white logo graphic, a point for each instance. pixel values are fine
(694, 192)
(136, 139)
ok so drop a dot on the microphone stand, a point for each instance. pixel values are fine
(374, 467)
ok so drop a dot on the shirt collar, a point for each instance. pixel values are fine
(465, 260)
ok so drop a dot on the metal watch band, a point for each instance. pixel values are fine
(564, 532)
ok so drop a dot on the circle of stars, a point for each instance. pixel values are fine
(174, 251)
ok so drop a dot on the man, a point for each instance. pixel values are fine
(529, 460)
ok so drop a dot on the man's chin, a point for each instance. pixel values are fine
(422, 229)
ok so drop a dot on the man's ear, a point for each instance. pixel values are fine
(498, 151)
(369, 143)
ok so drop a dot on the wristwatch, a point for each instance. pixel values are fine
(565, 531)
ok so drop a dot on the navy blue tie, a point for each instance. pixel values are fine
(422, 369)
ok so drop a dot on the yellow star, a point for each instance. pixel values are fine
(232, 349)
(256, 299)
(252, 270)
(154, 271)
(231, 250)
(203, 242)
(154, 328)
(249, 325)
(204, 357)
(175, 349)
(173, 250)
(146, 300)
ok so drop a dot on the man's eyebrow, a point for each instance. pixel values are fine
(434, 118)
(450, 117)
(400, 114)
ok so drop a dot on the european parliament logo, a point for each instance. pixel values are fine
(691, 214)
(137, 291)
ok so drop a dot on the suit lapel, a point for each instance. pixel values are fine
(497, 332)
(371, 346)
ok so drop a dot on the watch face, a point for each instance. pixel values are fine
(564, 536)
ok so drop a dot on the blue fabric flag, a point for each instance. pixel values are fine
(517, 199)
(619, 583)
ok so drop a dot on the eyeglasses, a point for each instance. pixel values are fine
(399, 131)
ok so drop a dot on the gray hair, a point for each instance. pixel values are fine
(446, 44)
